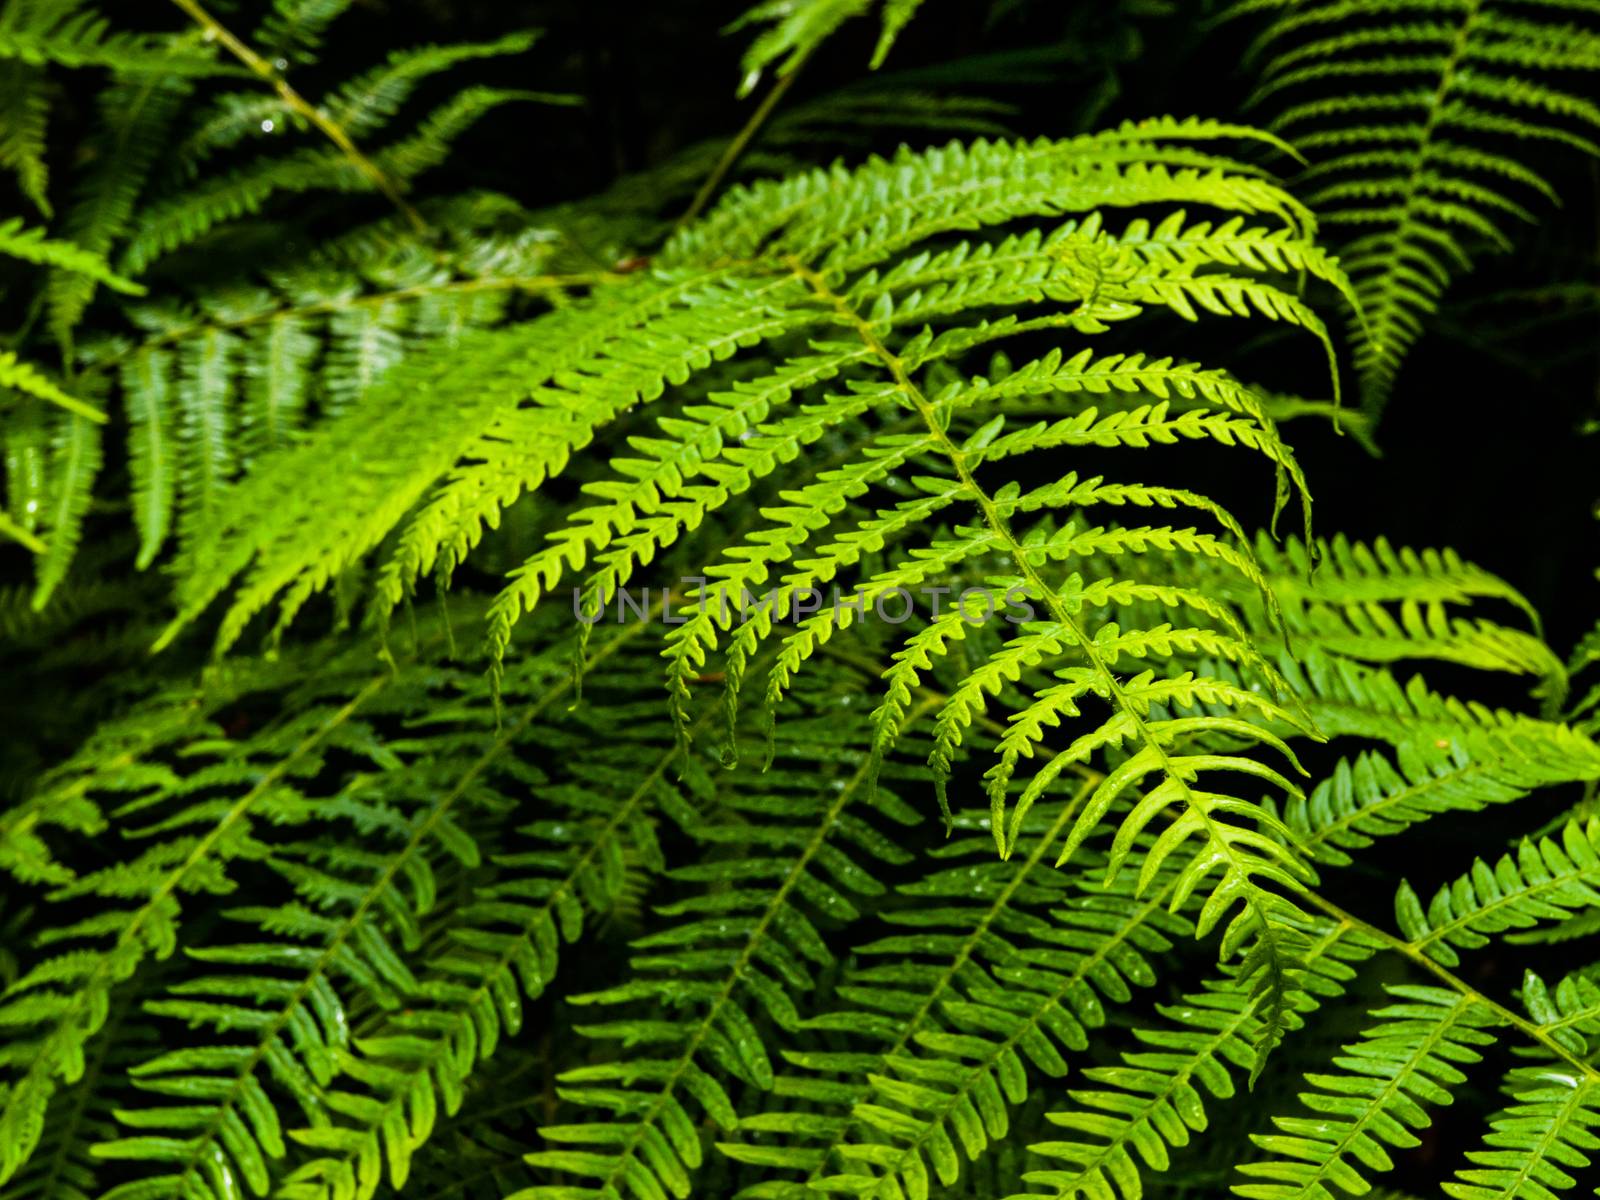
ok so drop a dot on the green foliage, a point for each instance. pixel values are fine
(803, 698)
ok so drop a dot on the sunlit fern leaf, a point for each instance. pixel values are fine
(696, 314)
(1140, 1111)
(1415, 116)
(993, 979)
(1546, 880)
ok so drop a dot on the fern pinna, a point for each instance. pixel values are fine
(823, 685)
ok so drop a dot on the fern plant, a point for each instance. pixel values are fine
(778, 678)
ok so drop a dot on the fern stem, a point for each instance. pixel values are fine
(741, 141)
(311, 112)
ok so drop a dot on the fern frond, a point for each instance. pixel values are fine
(1533, 1143)
(24, 118)
(170, 224)
(134, 118)
(295, 27)
(83, 1113)
(1544, 1132)
(739, 955)
(431, 142)
(997, 975)
(1346, 697)
(250, 371)
(740, 305)
(1449, 756)
(366, 103)
(62, 1001)
(1546, 880)
(85, 39)
(1149, 1106)
(1372, 795)
(1584, 656)
(75, 461)
(1408, 1061)
(833, 254)
(1420, 159)
(506, 940)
